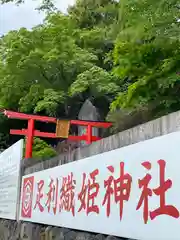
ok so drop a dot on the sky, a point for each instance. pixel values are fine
(13, 17)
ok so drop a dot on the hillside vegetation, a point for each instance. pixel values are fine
(124, 56)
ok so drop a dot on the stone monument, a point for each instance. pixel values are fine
(88, 112)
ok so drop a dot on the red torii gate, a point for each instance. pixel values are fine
(30, 132)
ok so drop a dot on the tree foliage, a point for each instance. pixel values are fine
(147, 54)
(45, 5)
(123, 55)
(41, 150)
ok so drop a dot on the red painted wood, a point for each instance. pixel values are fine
(89, 134)
(31, 132)
(29, 139)
(23, 116)
(92, 124)
(37, 133)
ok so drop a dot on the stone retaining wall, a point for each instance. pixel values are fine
(12, 230)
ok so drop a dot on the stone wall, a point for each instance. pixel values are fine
(11, 230)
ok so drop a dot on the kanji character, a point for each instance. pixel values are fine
(82, 194)
(146, 192)
(88, 193)
(160, 191)
(120, 188)
(109, 191)
(67, 200)
(39, 196)
(53, 195)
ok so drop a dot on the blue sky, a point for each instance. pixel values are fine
(14, 17)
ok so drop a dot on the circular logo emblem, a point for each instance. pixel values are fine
(27, 197)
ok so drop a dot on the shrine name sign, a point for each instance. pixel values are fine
(131, 192)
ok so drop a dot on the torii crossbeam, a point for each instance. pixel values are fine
(30, 132)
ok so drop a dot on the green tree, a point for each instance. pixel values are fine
(147, 56)
(41, 70)
(95, 21)
(89, 13)
(97, 81)
(41, 150)
(39, 66)
(125, 54)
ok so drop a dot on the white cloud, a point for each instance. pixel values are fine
(14, 17)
